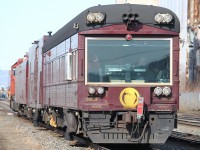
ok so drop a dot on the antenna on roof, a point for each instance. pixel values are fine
(35, 42)
(49, 32)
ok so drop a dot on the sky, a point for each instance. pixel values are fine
(24, 21)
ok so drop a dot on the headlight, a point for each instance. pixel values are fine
(91, 90)
(167, 18)
(91, 17)
(166, 91)
(159, 18)
(100, 90)
(163, 18)
(100, 17)
(96, 17)
(158, 91)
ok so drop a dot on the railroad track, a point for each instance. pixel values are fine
(192, 120)
(77, 138)
(5, 105)
(189, 120)
(186, 137)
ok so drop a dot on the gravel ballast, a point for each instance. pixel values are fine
(19, 134)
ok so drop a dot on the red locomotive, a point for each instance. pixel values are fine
(111, 74)
(13, 79)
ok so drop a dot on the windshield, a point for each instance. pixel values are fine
(138, 61)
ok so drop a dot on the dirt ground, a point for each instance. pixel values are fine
(18, 133)
(13, 139)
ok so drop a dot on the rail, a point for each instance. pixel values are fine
(186, 137)
(5, 104)
(190, 120)
(77, 138)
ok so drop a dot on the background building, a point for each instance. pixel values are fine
(4, 83)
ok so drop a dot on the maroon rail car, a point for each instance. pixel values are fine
(28, 80)
(111, 74)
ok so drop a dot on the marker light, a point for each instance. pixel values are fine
(131, 17)
(129, 37)
(158, 91)
(100, 90)
(91, 90)
(124, 17)
(166, 91)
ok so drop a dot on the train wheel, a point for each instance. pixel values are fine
(18, 114)
(71, 127)
(35, 124)
(71, 122)
(68, 135)
(70, 138)
(36, 118)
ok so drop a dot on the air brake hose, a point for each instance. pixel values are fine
(141, 136)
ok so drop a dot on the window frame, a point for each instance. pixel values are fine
(108, 84)
(68, 66)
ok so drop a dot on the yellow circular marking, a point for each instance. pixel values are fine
(129, 97)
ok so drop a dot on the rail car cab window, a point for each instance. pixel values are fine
(139, 61)
(13, 71)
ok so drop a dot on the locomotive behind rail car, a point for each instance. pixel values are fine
(13, 79)
(111, 74)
